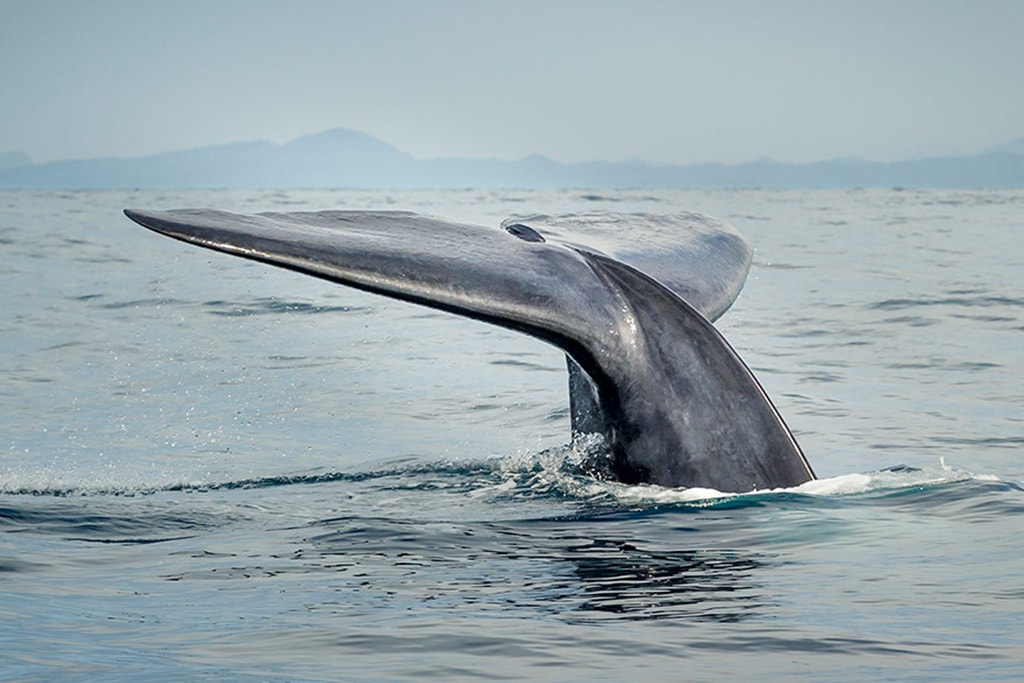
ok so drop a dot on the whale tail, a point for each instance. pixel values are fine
(628, 297)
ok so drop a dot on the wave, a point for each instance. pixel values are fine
(959, 298)
(565, 473)
(525, 495)
(274, 306)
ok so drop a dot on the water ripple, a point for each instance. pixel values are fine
(976, 301)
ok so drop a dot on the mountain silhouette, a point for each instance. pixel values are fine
(341, 158)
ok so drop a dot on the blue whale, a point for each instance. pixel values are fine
(629, 298)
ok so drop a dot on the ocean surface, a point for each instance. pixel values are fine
(212, 469)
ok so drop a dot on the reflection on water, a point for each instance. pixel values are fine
(521, 572)
(625, 581)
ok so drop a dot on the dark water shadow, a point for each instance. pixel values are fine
(554, 567)
(622, 581)
(106, 520)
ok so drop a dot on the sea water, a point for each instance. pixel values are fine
(210, 468)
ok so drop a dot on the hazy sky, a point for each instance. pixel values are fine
(671, 81)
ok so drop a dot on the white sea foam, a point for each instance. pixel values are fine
(557, 470)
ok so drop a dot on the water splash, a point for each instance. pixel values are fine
(566, 472)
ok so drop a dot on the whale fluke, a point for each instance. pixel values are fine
(628, 297)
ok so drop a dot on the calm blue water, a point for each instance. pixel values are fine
(214, 469)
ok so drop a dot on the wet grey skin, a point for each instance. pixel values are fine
(628, 297)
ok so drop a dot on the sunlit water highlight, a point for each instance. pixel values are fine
(215, 469)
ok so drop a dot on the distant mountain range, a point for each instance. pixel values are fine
(340, 158)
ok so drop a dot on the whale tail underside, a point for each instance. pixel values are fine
(628, 297)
